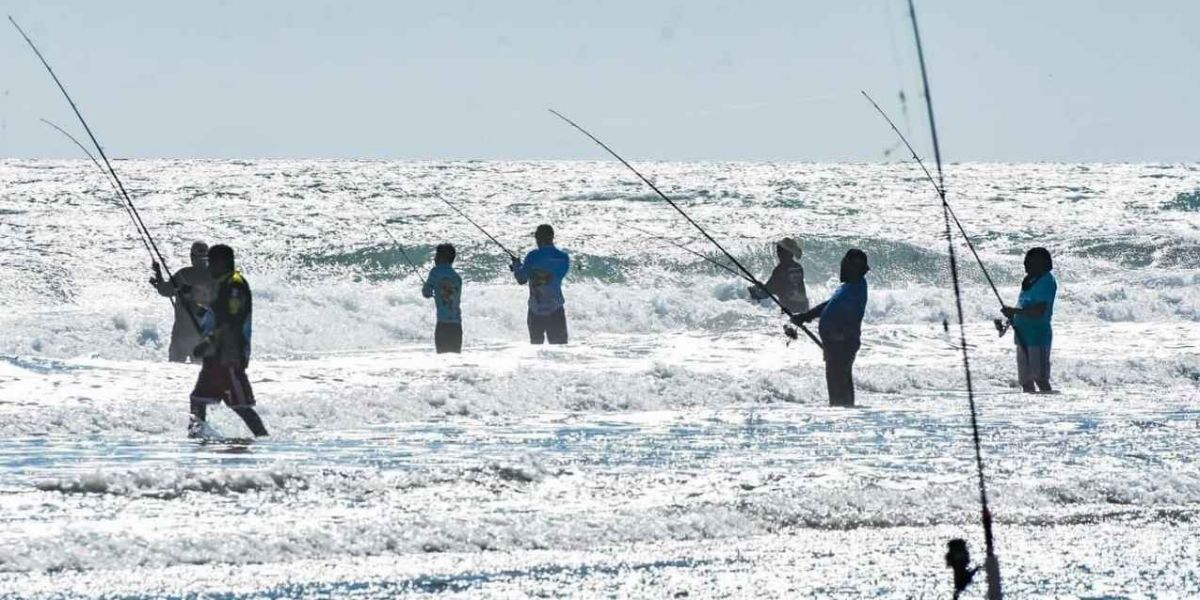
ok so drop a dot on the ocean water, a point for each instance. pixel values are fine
(677, 448)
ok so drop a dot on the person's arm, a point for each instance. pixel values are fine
(1040, 298)
(163, 286)
(772, 285)
(1033, 310)
(564, 268)
(427, 288)
(813, 313)
(519, 271)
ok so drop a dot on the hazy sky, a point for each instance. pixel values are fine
(1017, 80)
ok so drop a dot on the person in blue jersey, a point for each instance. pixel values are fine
(787, 279)
(445, 287)
(1031, 321)
(841, 326)
(544, 270)
(225, 347)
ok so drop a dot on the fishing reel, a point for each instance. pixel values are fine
(1001, 326)
(958, 558)
(791, 334)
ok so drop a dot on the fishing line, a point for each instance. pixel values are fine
(749, 276)
(435, 194)
(379, 219)
(992, 563)
(107, 177)
(689, 250)
(100, 150)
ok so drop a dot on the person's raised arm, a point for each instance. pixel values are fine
(519, 271)
(163, 286)
(427, 288)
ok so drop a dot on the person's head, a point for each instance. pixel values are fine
(220, 260)
(445, 254)
(200, 255)
(1038, 261)
(544, 235)
(788, 250)
(854, 265)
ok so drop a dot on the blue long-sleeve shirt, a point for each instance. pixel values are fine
(544, 270)
(841, 318)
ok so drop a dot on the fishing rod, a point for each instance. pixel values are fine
(686, 249)
(749, 276)
(434, 193)
(992, 564)
(100, 150)
(916, 158)
(403, 253)
(110, 182)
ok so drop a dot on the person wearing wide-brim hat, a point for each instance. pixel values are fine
(787, 280)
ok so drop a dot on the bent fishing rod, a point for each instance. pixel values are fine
(992, 564)
(108, 178)
(100, 150)
(689, 250)
(746, 272)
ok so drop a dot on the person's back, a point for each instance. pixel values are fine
(544, 270)
(445, 287)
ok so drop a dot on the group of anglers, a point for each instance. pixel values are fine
(214, 306)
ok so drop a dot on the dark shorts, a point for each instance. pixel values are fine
(551, 328)
(223, 383)
(447, 337)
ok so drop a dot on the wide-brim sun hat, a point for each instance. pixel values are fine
(790, 245)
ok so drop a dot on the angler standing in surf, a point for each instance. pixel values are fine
(1031, 321)
(841, 326)
(445, 287)
(190, 286)
(787, 280)
(544, 270)
(225, 347)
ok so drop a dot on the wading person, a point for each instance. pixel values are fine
(445, 287)
(787, 279)
(544, 269)
(1031, 321)
(225, 347)
(191, 286)
(841, 326)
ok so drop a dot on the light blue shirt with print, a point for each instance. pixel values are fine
(544, 270)
(445, 287)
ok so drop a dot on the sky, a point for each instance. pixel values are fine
(1016, 81)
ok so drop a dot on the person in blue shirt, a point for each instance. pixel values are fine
(1031, 321)
(841, 326)
(445, 287)
(544, 270)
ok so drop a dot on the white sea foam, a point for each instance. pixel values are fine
(676, 421)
